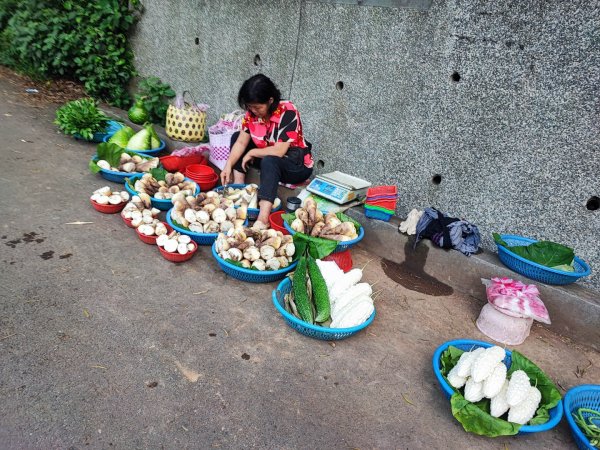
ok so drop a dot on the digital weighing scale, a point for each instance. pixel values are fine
(338, 187)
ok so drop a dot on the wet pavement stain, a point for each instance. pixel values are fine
(411, 273)
(66, 255)
(27, 238)
(47, 255)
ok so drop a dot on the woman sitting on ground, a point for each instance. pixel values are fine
(271, 139)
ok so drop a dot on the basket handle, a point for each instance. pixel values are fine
(193, 99)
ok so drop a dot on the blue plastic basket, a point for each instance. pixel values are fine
(379, 215)
(468, 345)
(583, 396)
(537, 271)
(342, 245)
(162, 204)
(117, 177)
(252, 212)
(307, 329)
(111, 128)
(199, 238)
(252, 276)
(154, 151)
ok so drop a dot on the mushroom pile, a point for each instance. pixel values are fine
(247, 194)
(175, 242)
(105, 196)
(309, 220)
(164, 189)
(128, 163)
(256, 248)
(207, 212)
(140, 211)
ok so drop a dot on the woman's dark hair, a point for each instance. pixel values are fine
(259, 89)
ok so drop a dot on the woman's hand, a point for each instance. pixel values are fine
(226, 175)
(248, 157)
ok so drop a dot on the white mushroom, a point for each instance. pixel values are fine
(219, 215)
(148, 230)
(182, 249)
(171, 245)
(160, 240)
(184, 239)
(267, 252)
(202, 217)
(259, 264)
(273, 264)
(235, 254)
(252, 254)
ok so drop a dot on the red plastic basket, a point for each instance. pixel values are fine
(387, 204)
(176, 256)
(276, 221)
(151, 239)
(200, 170)
(342, 259)
(127, 221)
(382, 190)
(174, 163)
(108, 209)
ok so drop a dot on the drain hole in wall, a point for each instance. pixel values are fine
(436, 179)
(455, 77)
(339, 85)
(197, 41)
(320, 164)
(257, 60)
(593, 203)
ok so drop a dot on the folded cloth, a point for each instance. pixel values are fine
(448, 232)
(409, 226)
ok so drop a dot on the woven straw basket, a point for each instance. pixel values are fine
(186, 124)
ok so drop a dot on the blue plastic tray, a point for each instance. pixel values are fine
(252, 276)
(583, 396)
(307, 329)
(199, 238)
(252, 212)
(154, 151)
(537, 271)
(468, 345)
(345, 245)
(117, 177)
(162, 204)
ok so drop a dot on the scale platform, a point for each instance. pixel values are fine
(338, 187)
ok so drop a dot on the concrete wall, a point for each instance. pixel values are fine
(499, 98)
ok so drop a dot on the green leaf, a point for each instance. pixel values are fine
(159, 173)
(344, 218)
(94, 168)
(550, 394)
(475, 419)
(109, 152)
(316, 247)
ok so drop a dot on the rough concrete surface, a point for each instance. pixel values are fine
(104, 344)
(498, 98)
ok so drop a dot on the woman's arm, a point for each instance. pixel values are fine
(238, 148)
(279, 149)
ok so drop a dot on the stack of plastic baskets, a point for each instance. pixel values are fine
(381, 202)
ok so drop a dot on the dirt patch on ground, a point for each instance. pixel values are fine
(48, 91)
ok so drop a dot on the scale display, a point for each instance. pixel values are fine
(338, 187)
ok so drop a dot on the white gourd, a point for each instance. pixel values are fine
(486, 362)
(356, 291)
(338, 312)
(345, 282)
(524, 411)
(355, 316)
(498, 404)
(518, 388)
(455, 380)
(473, 390)
(493, 383)
(465, 362)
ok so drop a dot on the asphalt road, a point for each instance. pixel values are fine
(105, 344)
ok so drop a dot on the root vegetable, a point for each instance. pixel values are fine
(273, 264)
(267, 252)
(259, 264)
(252, 254)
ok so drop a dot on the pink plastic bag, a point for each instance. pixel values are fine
(516, 299)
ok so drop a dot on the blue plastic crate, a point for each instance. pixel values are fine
(162, 204)
(537, 271)
(379, 215)
(307, 329)
(152, 152)
(342, 245)
(249, 275)
(468, 345)
(583, 396)
(111, 128)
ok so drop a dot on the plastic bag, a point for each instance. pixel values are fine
(516, 299)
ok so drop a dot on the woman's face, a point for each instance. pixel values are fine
(260, 110)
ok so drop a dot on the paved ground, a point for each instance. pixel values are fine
(104, 344)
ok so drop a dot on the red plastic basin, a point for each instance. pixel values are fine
(276, 221)
(151, 239)
(176, 256)
(108, 209)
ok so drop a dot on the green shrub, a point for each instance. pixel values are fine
(155, 94)
(85, 41)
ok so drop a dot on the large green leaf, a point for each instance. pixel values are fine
(159, 173)
(546, 253)
(316, 247)
(475, 419)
